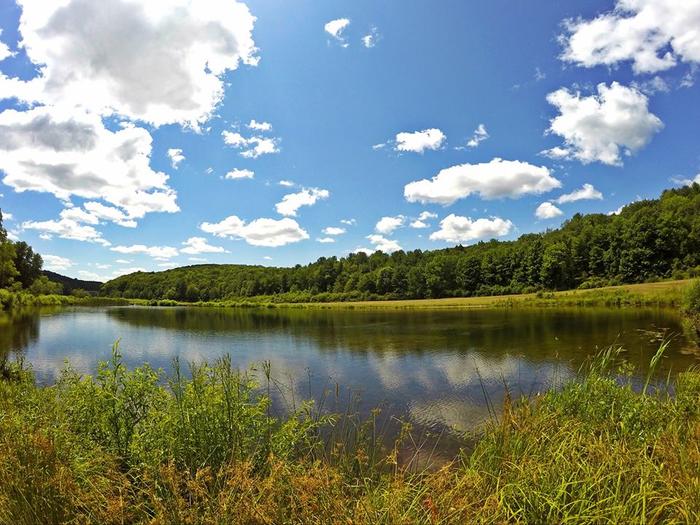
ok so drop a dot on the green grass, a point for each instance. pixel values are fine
(130, 446)
(663, 293)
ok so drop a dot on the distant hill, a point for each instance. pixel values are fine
(645, 240)
(70, 284)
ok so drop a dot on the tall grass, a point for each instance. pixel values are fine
(132, 446)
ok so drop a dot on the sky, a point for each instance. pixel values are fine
(145, 136)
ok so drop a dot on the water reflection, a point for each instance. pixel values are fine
(435, 367)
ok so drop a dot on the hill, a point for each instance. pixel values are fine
(70, 284)
(648, 240)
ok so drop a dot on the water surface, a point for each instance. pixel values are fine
(436, 368)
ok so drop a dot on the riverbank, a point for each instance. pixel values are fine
(122, 448)
(662, 294)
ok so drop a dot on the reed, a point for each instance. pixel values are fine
(134, 446)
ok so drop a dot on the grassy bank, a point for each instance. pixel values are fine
(663, 293)
(123, 448)
(10, 300)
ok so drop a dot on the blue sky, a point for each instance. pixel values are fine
(384, 121)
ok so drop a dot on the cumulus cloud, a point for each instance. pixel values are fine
(287, 183)
(491, 180)
(259, 126)
(382, 243)
(371, 38)
(601, 127)
(547, 210)
(158, 62)
(349, 222)
(239, 174)
(335, 28)
(333, 230)
(5, 51)
(586, 192)
(259, 232)
(479, 136)
(176, 157)
(56, 263)
(157, 252)
(197, 245)
(420, 222)
(455, 228)
(71, 153)
(251, 147)
(290, 203)
(326, 240)
(419, 141)
(386, 225)
(67, 228)
(652, 34)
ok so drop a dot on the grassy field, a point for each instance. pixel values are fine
(128, 447)
(664, 293)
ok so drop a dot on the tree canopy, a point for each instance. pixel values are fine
(648, 239)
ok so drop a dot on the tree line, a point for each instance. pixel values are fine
(20, 267)
(647, 240)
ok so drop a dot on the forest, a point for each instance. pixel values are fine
(647, 240)
(20, 268)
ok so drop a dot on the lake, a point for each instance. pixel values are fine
(436, 368)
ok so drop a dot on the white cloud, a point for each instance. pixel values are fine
(290, 203)
(56, 263)
(239, 174)
(383, 244)
(103, 266)
(197, 245)
(333, 230)
(491, 180)
(122, 261)
(6, 216)
(419, 141)
(259, 126)
(71, 153)
(420, 222)
(601, 127)
(158, 62)
(176, 157)
(67, 228)
(326, 240)
(653, 34)
(287, 183)
(108, 213)
(455, 228)
(5, 52)
(587, 192)
(157, 252)
(386, 225)
(90, 276)
(252, 147)
(259, 232)
(336, 27)
(371, 38)
(547, 210)
(349, 222)
(377, 147)
(480, 135)
(127, 271)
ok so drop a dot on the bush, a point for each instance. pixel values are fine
(692, 299)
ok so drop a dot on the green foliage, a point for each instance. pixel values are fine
(647, 241)
(692, 299)
(126, 446)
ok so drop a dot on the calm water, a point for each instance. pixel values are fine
(429, 366)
